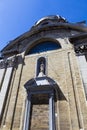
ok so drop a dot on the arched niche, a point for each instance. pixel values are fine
(41, 66)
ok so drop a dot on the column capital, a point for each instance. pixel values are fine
(10, 62)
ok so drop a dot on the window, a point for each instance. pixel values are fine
(44, 46)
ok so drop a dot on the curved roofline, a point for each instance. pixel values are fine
(51, 17)
(56, 26)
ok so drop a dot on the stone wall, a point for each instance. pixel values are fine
(71, 109)
(62, 67)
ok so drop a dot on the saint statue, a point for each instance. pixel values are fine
(41, 71)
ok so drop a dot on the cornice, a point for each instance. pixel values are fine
(80, 43)
(78, 37)
(35, 30)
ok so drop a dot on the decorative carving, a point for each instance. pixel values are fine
(8, 62)
(81, 49)
(11, 62)
(2, 64)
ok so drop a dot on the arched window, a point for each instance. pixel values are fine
(41, 67)
(44, 46)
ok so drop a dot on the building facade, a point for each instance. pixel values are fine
(43, 78)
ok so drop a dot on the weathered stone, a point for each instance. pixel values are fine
(62, 69)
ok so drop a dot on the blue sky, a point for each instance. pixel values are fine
(17, 16)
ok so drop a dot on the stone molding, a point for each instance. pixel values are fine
(22, 44)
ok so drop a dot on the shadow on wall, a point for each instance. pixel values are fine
(44, 84)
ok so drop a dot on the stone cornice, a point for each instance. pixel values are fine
(35, 30)
(80, 43)
(78, 37)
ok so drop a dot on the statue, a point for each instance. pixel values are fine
(41, 71)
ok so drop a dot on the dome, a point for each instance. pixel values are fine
(52, 18)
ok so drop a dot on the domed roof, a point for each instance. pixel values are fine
(52, 18)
